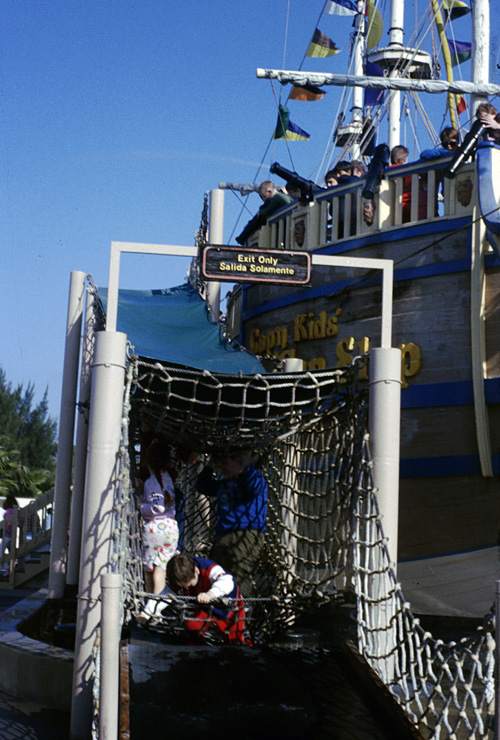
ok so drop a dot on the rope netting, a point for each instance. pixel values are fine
(324, 541)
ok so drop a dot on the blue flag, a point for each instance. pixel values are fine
(372, 96)
(340, 7)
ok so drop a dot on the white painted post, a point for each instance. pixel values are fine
(384, 427)
(82, 426)
(57, 577)
(215, 236)
(106, 408)
(293, 365)
(110, 656)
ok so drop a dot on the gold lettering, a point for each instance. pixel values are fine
(299, 329)
(319, 327)
(342, 350)
(411, 361)
(332, 328)
(281, 336)
(363, 347)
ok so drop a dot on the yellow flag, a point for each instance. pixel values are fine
(374, 25)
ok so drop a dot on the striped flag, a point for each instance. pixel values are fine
(306, 92)
(321, 46)
(340, 7)
(287, 130)
(460, 51)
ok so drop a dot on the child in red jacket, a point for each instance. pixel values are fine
(200, 577)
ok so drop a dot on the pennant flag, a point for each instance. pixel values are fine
(372, 96)
(287, 130)
(321, 46)
(460, 51)
(461, 105)
(374, 25)
(455, 9)
(340, 7)
(306, 92)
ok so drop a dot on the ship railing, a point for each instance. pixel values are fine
(408, 194)
(24, 534)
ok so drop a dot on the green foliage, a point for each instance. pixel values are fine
(27, 442)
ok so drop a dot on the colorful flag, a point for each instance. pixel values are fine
(372, 96)
(461, 105)
(287, 130)
(340, 7)
(460, 51)
(455, 9)
(321, 46)
(374, 25)
(306, 92)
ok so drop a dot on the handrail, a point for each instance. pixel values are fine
(32, 525)
(408, 194)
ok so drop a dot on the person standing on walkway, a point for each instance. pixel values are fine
(241, 492)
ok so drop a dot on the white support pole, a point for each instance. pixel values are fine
(293, 365)
(110, 656)
(82, 426)
(480, 63)
(384, 426)
(106, 409)
(57, 577)
(215, 236)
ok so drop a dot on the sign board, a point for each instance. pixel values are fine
(240, 264)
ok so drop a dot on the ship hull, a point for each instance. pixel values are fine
(450, 420)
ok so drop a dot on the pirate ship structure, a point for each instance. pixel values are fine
(328, 448)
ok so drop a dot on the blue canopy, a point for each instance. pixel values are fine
(173, 325)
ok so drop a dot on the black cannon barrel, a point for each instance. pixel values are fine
(466, 149)
(306, 187)
(379, 162)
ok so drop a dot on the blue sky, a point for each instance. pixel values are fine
(115, 118)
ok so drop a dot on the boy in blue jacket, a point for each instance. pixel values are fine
(241, 492)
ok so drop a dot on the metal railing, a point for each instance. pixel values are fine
(23, 532)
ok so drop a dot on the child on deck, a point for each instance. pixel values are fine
(200, 577)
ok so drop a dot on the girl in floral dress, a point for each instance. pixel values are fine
(160, 533)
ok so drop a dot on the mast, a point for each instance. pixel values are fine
(480, 48)
(396, 44)
(349, 134)
(357, 93)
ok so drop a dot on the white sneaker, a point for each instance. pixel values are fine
(151, 613)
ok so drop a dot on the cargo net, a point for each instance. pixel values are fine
(324, 541)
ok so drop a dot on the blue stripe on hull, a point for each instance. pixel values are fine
(444, 467)
(447, 394)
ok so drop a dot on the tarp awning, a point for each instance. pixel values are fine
(173, 325)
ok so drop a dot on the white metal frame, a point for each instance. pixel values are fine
(118, 248)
